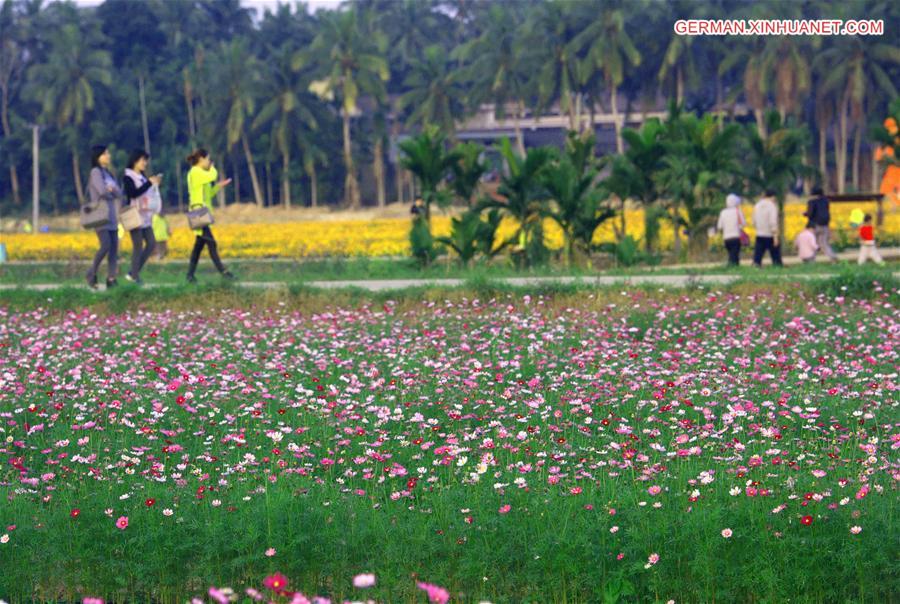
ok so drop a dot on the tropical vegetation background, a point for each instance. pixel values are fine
(356, 105)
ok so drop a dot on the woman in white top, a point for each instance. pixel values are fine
(142, 191)
(732, 223)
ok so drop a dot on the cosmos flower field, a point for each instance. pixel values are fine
(693, 447)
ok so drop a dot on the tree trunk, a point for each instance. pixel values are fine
(254, 179)
(144, 114)
(7, 133)
(180, 185)
(760, 123)
(237, 178)
(76, 172)
(351, 187)
(679, 86)
(313, 186)
(676, 225)
(189, 103)
(378, 169)
(268, 183)
(823, 157)
(517, 116)
(398, 177)
(876, 176)
(840, 147)
(614, 106)
(857, 144)
(286, 180)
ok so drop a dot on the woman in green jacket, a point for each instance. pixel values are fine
(202, 187)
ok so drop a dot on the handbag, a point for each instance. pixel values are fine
(95, 215)
(199, 218)
(130, 217)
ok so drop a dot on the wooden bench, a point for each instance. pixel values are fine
(858, 197)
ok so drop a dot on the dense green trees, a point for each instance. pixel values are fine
(291, 101)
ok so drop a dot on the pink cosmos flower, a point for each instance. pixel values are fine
(654, 490)
(122, 523)
(726, 533)
(651, 560)
(436, 595)
(276, 582)
(270, 552)
(856, 530)
(504, 509)
(90, 600)
(364, 580)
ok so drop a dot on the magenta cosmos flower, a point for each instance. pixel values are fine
(436, 595)
(122, 523)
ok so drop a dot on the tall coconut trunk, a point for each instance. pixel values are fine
(178, 179)
(286, 180)
(144, 125)
(840, 147)
(313, 184)
(237, 178)
(517, 117)
(857, 145)
(351, 186)
(614, 106)
(823, 155)
(679, 86)
(7, 133)
(760, 123)
(254, 179)
(189, 103)
(268, 183)
(378, 169)
(76, 173)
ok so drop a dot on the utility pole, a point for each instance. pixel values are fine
(35, 178)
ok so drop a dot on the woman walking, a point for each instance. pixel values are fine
(731, 223)
(102, 186)
(139, 191)
(202, 187)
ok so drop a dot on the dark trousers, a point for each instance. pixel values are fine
(142, 244)
(161, 249)
(764, 244)
(109, 249)
(205, 238)
(734, 251)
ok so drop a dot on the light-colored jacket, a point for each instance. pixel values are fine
(806, 244)
(98, 190)
(765, 218)
(731, 220)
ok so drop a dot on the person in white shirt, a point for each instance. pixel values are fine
(765, 221)
(731, 223)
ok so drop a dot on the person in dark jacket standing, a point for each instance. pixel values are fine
(102, 186)
(138, 189)
(819, 215)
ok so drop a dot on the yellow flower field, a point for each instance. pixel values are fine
(379, 237)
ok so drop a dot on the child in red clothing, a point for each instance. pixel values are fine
(867, 247)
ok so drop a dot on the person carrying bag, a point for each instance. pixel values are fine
(143, 201)
(104, 197)
(202, 187)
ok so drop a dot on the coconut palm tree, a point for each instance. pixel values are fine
(351, 61)
(609, 49)
(289, 108)
(434, 93)
(65, 86)
(236, 75)
(427, 158)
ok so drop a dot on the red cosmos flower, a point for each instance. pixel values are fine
(149, 503)
(806, 520)
(276, 582)
(75, 513)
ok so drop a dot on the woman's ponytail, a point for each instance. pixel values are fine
(196, 155)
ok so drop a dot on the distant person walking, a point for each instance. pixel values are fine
(806, 244)
(765, 221)
(102, 186)
(202, 187)
(140, 191)
(867, 248)
(818, 213)
(732, 223)
(161, 232)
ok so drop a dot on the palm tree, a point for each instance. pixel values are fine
(775, 162)
(353, 63)
(13, 61)
(467, 169)
(609, 49)
(313, 155)
(237, 71)
(522, 194)
(427, 158)
(496, 67)
(287, 109)
(571, 182)
(855, 71)
(65, 84)
(434, 92)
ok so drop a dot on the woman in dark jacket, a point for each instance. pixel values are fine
(137, 189)
(102, 186)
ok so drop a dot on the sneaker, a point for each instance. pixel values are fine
(191, 279)
(228, 275)
(129, 278)
(92, 283)
(110, 283)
